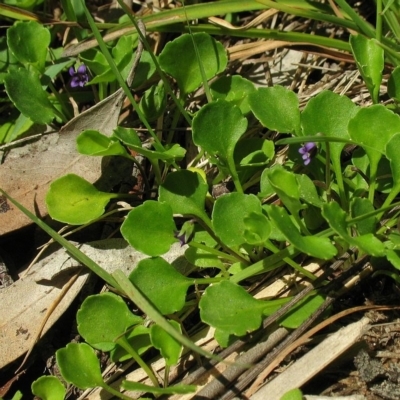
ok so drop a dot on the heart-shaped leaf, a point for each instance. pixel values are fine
(185, 192)
(179, 59)
(169, 347)
(79, 365)
(150, 228)
(229, 215)
(234, 89)
(228, 307)
(102, 318)
(29, 42)
(336, 218)
(312, 245)
(25, 91)
(73, 200)
(48, 388)
(277, 108)
(161, 283)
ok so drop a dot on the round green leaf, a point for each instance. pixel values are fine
(161, 283)
(229, 215)
(79, 365)
(294, 394)
(234, 89)
(217, 127)
(29, 42)
(73, 200)
(169, 347)
(102, 318)
(257, 228)
(277, 108)
(373, 127)
(93, 143)
(179, 60)
(25, 91)
(48, 388)
(150, 228)
(228, 307)
(185, 192)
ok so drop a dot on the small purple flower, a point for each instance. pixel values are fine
(306, 150)
(79, 77)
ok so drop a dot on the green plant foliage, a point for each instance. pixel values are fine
(369, 56)
(28, 42)
(234, 89)
(360, 206)
(277, 108)
(24, 89)
(337, 221)
(179, 60)
(48, 388)
(169, 347)
(153, 102)
(79, 365)
(235, 217)
(138, 338)
(392, 149)
(93, 143)
(102, 318)
(311, 245)
(394, 84)
(176, 389)
(161, 283)
(150, 228)
(228, 307)
(294, 394)
(301, 311)
(73, 200)
(185, 192)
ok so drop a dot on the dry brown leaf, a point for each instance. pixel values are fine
(24, 304)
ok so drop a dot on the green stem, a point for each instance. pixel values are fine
(115, 392)
(379, 21)
(213, 251)
(206, 281)
(123, 342)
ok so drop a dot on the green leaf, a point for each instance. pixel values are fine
(140, 387)
(294, 394)
(185, 192)
(394, 84)
(73, 200)
(179, 60)
(150, 228)
(138, 338)
(217, 127)
(392, 154)
(29, 42)
(234, 89)
(312, 245)
(228, 307)
(307, 190)
(360, 206)
(25, 91)
(161, 283)
(286, 187)
(369, 56)
(229, 214)
(336, 218)
(48, 388)
(169, 347)
(93, 143)
(329, 114)
(277, 108)
(102, 318)
(301, 311)
(79, 365)
(153, 102)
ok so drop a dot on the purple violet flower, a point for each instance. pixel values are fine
(79, 77)
(306, 150)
